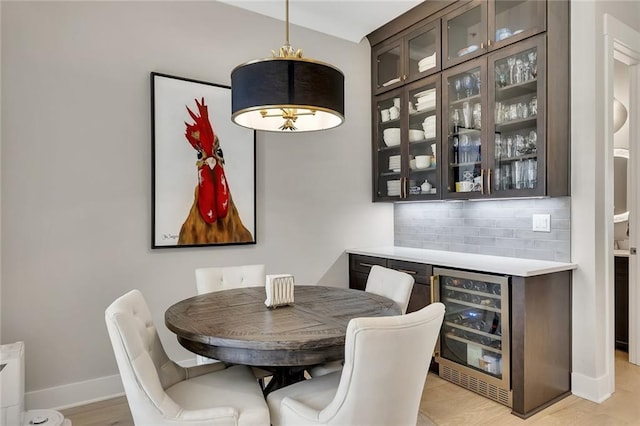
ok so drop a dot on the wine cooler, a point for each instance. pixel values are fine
(473, 348)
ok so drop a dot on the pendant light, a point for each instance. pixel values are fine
(287, 92)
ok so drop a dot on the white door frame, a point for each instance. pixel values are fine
(622, 43)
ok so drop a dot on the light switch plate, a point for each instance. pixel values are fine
(541, 223)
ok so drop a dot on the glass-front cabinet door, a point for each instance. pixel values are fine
(407, 141)
(410, 56)
(423, 117)
(387, 152)
(474, 344)
(465, 33)
(464, 140)
(388, 66)
(515, 20)
(482, 26)
(423, 51)
(517, 119)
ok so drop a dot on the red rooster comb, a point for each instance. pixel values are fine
(200, 134)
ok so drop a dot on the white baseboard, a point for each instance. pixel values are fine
(593, 389)
(74, 394)
(80, 393)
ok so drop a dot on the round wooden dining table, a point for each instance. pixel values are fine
(236, 327)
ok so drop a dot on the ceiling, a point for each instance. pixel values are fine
(351, 20)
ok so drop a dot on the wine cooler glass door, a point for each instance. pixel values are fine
(475, 333)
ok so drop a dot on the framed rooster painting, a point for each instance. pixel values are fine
(203, 166)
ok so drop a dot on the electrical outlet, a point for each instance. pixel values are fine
(541, 223)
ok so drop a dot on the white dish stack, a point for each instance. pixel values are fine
(426, 100)
(429, 127)
(427, 63)
(393, 188)
(394, 163)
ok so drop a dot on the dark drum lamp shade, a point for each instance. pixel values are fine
(287, 93)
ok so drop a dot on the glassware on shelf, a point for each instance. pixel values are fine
(511, 62)
(466, 115)
(455, 118)
(477, 116)
(533, 63)
(533, 106)
(501, 75)
(457, 87)
(456, 150)
(469, 84)
(465, 149)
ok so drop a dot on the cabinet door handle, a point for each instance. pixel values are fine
(366, 265)
(433, 282)
(488, 43)
(482, 45)
(489, 181)
(406, 271)
(482, 181)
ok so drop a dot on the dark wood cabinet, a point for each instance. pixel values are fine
(421, 273)
(501, 116)
(494, 110)
(482, 26)
(360, 266)
(622, 302)
(406, 143)
(410, 55)
(535, 324)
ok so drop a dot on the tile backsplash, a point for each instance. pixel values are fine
(500, 227)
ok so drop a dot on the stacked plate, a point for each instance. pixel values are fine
(427, 63)
(393, 188)
(426, 100)
(394, 163)
(429, 127)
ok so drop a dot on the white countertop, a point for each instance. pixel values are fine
(476, 262)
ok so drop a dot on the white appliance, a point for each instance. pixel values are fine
(12, 393)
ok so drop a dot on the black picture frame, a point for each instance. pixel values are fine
(200, 197)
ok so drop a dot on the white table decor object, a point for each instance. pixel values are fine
(279, 289)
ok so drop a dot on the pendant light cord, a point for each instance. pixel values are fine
(287, 24)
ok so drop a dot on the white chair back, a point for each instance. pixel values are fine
(392, 284)
(213, 279)
(228, 277)
(145, 369)
(161, 393)
(385, 368)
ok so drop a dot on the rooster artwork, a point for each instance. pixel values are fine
(213, 217)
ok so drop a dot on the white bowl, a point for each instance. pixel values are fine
(423, 161)
(391, 136)
(415, 135)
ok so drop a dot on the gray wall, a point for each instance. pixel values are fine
(501, 228)
(76, 171)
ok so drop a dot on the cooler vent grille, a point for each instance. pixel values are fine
(488, 390)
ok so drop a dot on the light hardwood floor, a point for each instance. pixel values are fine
(446, 404)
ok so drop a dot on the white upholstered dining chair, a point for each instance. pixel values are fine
(225, 278)
(392, 284)
(221, 278)
(228, 277)
(385, 369)
(160, 392)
